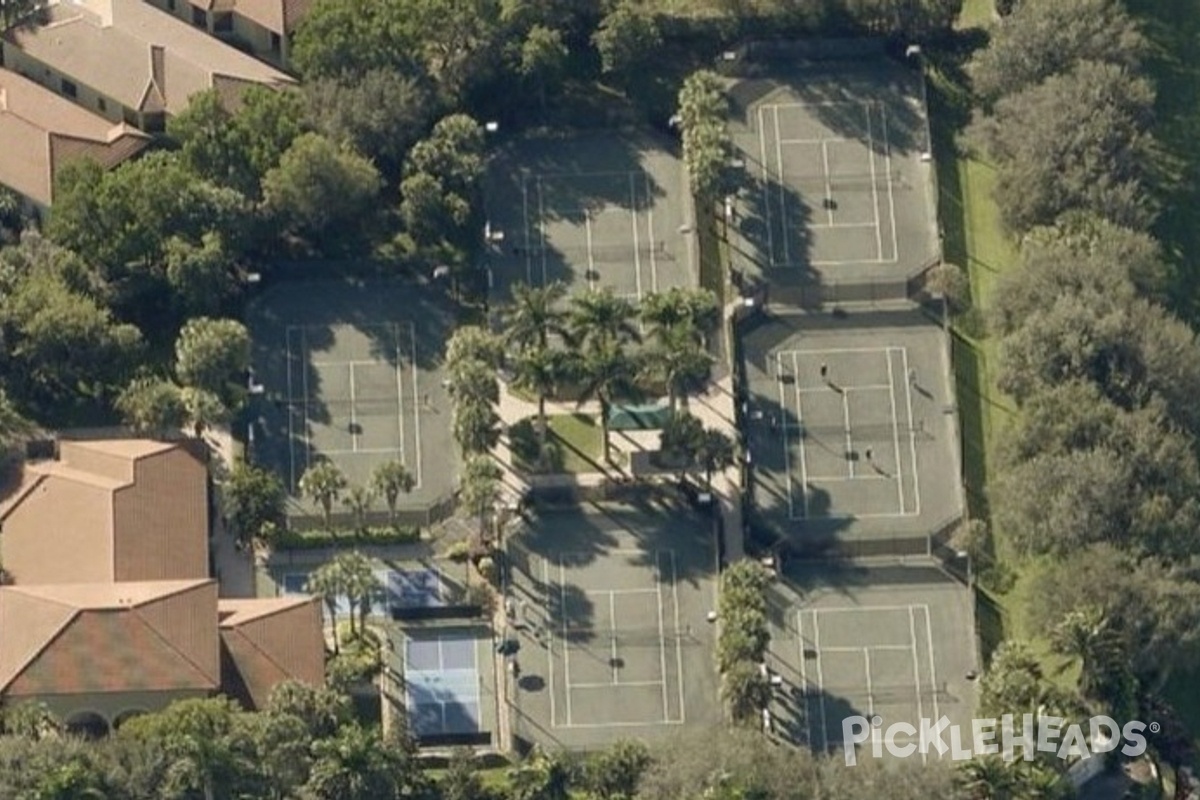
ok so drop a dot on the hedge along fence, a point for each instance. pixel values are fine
(743, 639)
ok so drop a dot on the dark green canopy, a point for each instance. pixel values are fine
(637, 418)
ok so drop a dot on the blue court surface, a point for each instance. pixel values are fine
(402, 590)
(442, 684)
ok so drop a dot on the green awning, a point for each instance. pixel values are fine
(637, 418)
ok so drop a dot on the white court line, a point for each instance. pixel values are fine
(849, 439)
(542, 228)
(820, 683)
(903, 647)
(287, 340)
(412, 333)
(625, 685)
(619, 591)
(870, 686)
(363, 451)
(601, 725)
(834, 516)
(678, 643)
(838, 225)
(833, 139)
(783, 212)
(912, 433)
(814, 104)
(787, 454)
(307, 444)
(800, 441)
(937, 714)
(353, 413)
(804, 677)
(662, 648)
(612, 628)
(528, 226)
(887, 148)
(353, 362)
(895, 433)
(874, 187)
(592, 277)
(816, 479)
(832, 350)
(762, 147)
(865, 387)
(399, 394)
(828, 181)
(562, 589)
(851, 261)
(912, 632)
(637, 256)
(604, 174)
(650, 227)
(856, 609)
(550, 644)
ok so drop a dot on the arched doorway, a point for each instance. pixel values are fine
(125, 716)
(89, 724)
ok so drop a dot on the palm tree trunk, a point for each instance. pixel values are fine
(541, 422)
(604, 429)
(333, 622)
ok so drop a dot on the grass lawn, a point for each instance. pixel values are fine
(574, 442)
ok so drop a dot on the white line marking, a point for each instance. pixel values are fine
(353, 414)
(870, 687)
(607, 174)
(308, 448)
(832, 350)
(291, 413)
(678, 643)
(542, 227)
(787, 450)
(912, 434)
(895, 433)
(838, 225)
(601, 725)
(612, 627)
(912, 632)
(856, 609)
(528, 227)
(550, 644)
(866, 387)
(400, 394)
(903, 647)
(804, 678)
(412, 333)
(592, 276)
(817, 479)
(820, 683)
(828, 181)
(623, 685)
(874, 187)
(618, 591)
(937, 714)
(364, 451)
(662, 647)
(800, 440)
(637, 255)
(650, 228)
(783, 212)
(762, 146)
(849, 440)
(815, 104)
(830, 139)
(832, 516)
(562, 589)
(887, 149)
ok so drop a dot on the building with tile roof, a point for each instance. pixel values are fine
(129, 61)
(110, 610)
(44, 132)
(264, 27)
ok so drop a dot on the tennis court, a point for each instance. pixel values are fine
(852, 430)
(615, 637)
(593, 213)
(445, 695)
(891, 643)
(835, 187)
(404, 591)
(351, 372)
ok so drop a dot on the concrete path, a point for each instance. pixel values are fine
(234, 567)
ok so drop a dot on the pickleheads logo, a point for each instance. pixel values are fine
(1031, 734)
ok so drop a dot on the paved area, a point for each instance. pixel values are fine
(610, 606)
(895, 642)
(852, 430)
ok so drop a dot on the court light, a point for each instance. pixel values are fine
(491, 127)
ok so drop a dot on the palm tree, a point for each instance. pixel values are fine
(1088, 636)
(481, 488)
(679, 362)
(476, 426)
(716, 453)
(534, 315)
(328, 582)
(323, 484)
(599, 316)
(538, 370)
(542, 776)
(390, 479)
(694, 311)
(358, 501)
(608, 373)
(202, 408)
(988, 778)
(360, 764)
(360, 583)
(473, 379)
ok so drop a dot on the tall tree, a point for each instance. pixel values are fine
(360, 583)
(390, 479)
(358, 502)
(607, 373)
(152, 406)
(680, 363)
(627, 39)
(481, 485)
(251, 499)
(323, 483)
(323, 193)
(539, 370)
(542, 59)
(599, 317)
(692, 312)
(476, 425)
(535, 315)
(213, 355)
(328, 582)
(702, 110)
(361, 764)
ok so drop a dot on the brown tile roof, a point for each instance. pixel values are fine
(109, 637)
(43, 132)
(280, 16)
(124, 510)
(265, 642)
(136, 54)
